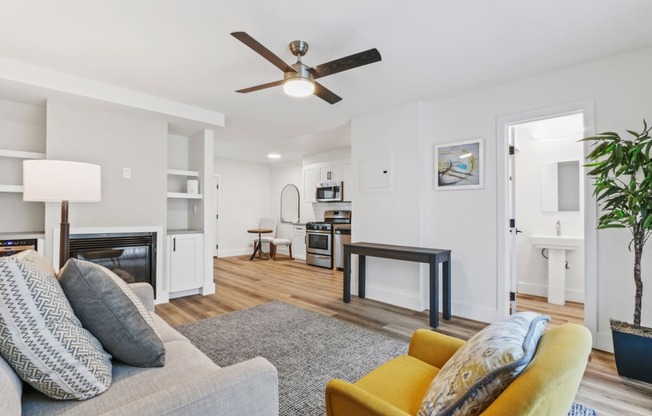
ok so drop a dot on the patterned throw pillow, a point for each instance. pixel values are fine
(107, 307)
(481, 369)
(41, 338)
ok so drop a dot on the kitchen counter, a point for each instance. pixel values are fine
(177, 232)
(22, 236)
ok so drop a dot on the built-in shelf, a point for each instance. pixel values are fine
(178, 172)
(17, 189)
(183, 195)
(17, 154)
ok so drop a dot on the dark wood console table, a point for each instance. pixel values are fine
(432, 256)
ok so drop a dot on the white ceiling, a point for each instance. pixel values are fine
(182, 50)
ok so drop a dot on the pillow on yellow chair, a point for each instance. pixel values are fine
(481, 369)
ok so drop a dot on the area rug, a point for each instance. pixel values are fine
(307, 349)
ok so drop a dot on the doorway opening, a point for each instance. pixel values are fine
(547, 239)
(547, 254)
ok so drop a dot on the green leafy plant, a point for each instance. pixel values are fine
(622, 170)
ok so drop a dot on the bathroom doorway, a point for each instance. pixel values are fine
(548, 208)
(548, 250)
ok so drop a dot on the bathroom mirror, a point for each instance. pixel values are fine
(290, 203)
(560, 186)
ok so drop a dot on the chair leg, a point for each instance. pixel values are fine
(290, 248)
(272, 251)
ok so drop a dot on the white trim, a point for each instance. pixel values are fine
(60, 81)
(571, 295)
(235, 252)
(586, 107)
(19, 154)
(404, 300)
(475, 312)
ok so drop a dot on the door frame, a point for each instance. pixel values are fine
(216, 225)
(586, 107)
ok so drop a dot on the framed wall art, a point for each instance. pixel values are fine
(459, 165)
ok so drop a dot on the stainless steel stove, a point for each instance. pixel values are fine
(319, 238)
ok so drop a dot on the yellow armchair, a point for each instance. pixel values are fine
(547, 385)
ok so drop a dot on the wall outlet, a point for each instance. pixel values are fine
(126, 173)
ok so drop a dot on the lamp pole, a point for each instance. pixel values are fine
(64, 237)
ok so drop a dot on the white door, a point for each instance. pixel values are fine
(217, 216)
(185, 262)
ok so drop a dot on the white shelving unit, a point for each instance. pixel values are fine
(17, 154)
(186, 174)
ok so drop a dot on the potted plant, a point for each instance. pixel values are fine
(622, 170)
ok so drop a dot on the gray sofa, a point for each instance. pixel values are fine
(189, 384)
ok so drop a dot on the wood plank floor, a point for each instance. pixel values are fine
(242, 284)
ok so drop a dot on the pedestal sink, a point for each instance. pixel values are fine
(557, 246)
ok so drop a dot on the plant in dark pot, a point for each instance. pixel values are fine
(622, 170)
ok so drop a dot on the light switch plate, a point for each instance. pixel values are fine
(126, 173)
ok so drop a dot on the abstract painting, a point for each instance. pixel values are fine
(459, 165)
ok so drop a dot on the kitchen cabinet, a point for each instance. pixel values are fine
(299, 241)
(185, 270)
(330, 173)
(335, 170)
(311, 175)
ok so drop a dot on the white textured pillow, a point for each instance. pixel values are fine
(41, 338)
(483, 367)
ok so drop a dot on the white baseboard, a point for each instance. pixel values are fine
(474, 312)
(404, 300)
(208, 289)
(234, 252)
(184, 293)
(605, 341)
(572, 295)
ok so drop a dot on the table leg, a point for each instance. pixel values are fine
(434, 294)
(361, 275)
(446, 288)
(255, 249)
(347, 277)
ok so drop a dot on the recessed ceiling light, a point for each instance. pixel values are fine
(274, 156)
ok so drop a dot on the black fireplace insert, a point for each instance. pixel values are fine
(132, 256)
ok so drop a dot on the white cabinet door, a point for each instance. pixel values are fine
(185, 255)
(310, 180)
(299, 242)
(330, 173)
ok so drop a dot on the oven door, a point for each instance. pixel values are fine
(319, 242)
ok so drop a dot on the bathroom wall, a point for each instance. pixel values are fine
(538, 143)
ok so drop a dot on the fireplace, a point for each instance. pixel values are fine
(132, 256)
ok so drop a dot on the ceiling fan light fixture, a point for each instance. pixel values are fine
(298, 87)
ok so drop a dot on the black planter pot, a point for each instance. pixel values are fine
(633, 352)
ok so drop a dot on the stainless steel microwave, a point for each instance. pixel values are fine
(329, 192)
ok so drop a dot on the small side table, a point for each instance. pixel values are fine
(258, 245)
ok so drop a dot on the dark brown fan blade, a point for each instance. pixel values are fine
(262, 51)
(326, 94)
(260, 87)
(346, 63)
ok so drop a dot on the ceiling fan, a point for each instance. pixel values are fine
(299, 79)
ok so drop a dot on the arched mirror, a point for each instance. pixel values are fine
(290, 204)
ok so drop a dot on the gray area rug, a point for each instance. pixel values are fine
(307, 349)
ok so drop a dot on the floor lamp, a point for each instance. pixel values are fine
(61, 181)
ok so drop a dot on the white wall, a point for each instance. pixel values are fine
(113, 138)
(391, 217)
(22, 127)
(284, 174)
(531, 154)
(466, 221)
(245, 197)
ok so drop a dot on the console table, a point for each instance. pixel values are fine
(432, 256)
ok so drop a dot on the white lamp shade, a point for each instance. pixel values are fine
(59, 180)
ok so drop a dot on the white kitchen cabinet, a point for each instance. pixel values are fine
(185, 267)
(310, 180)
(330, 173)
(299, 241)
